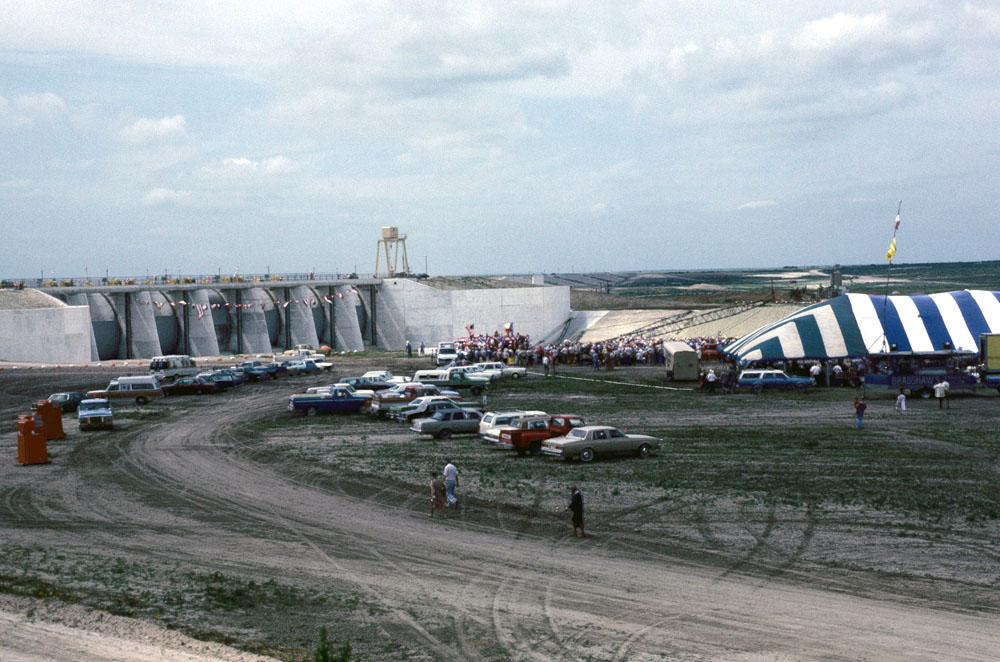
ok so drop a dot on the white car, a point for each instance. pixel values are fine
(494, 421)
(512, 371)
(385, 376)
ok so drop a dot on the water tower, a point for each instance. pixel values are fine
(391, 241)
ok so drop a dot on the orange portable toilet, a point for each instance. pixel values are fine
(51, 413)
(31, 440)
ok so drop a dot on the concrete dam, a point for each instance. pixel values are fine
(90, 323)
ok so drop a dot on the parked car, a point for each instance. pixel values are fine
(445, 354)
(506, 371)
(401, 394)
(489, 428)
(424, 407)
(255, 371)
(444, 423)
(192, 386)
(307, 366)
(385, 376)
(224, 378)
(338, 400)
(454, 378)
(527, 434)
(758, 380)
(95, 414)
(369, 383)
(142, 389)
(68, 400)
(710, 352)
(591, 441)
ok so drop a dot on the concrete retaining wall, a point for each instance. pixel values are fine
(407, 310)
(46, 335)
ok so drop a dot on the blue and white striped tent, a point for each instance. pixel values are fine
(855, 325)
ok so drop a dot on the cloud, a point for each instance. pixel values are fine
(235, 169)
(31, 108)
(270, 166)
(145, 130)
(165, 196)
(757, 204)
(46, 105)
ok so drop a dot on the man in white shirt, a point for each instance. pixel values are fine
(814, 373)
(710, 380)
(450, 482)
(941, 393)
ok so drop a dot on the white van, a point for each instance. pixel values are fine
(681, 361)
(172, 366)
(446, 353)
(142, 389)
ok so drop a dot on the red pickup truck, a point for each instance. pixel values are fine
(530, 432)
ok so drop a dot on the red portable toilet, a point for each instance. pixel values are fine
(31, 440)
(51, 413)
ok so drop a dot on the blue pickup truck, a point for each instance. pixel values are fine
(339, 399)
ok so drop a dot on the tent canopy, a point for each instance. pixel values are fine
(856, 325)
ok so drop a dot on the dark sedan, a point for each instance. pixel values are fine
(68, 400)
(191, 386)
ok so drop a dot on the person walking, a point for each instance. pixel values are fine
(545, 364)
(710, 380)
(409, 350)
(437, 494)
(901, 401)
(859, 408)
(450, 482)
(941, 393)
(576, 506)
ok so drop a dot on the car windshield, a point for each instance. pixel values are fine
(577, 433)
(92, 406)
(59, 397)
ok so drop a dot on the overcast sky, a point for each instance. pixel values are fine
(501, 137)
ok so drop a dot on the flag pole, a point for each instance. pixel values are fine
(888, 271)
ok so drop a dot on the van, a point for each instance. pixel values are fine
(170, 367)
(142, 389)
(681, 361)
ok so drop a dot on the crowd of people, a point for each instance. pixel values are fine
(622, 351)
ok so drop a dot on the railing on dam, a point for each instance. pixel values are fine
(181, 279)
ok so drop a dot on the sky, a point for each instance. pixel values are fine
(499, 137)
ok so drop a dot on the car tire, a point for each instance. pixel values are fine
(757, 388)
(587, 455)
(477, 390)
(444, 434)
(515, 375)
(311, 411)
(141, 400)
(645, 450)
(801, 388)
(198, 392)
(536, 448)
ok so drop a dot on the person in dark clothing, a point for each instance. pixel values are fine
(576, 506)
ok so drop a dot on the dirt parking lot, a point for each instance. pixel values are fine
(766, 528)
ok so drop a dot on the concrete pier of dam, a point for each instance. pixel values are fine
(206, 319)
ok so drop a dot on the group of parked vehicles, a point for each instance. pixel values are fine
(175, 375)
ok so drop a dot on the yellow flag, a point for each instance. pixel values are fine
(891, 253)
